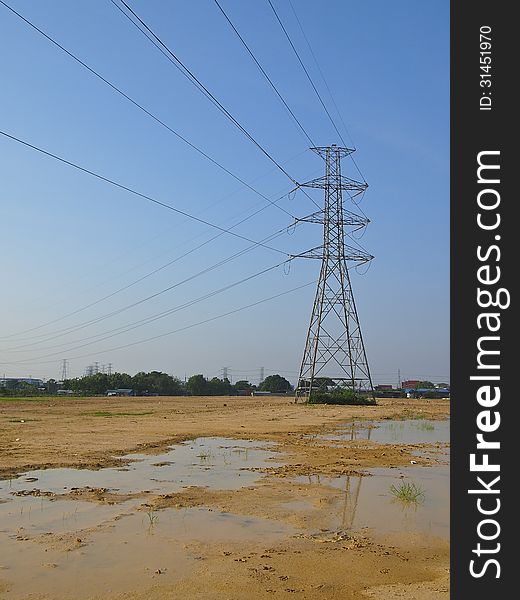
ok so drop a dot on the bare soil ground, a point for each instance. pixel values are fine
(96, 432)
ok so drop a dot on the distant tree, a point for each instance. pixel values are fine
(98, 383)
(275, 384)
(423, 385)
(322, 383)
(219, 387)
(197, 385)
(243, 385)
(51, 386)
(156, 382)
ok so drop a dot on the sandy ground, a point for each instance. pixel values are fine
(93, 432)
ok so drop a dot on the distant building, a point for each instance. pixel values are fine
(410, 384)
(14, 382)
(121, 392)
(431, 393)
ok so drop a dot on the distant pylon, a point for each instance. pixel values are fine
(334, 347)
(262, 374)
(109, 369)
(225, 371)
(64, 365)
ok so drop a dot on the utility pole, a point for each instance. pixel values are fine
(398, 379)
(262, 374)
(225, 371)
(109, 368)
(334, 345)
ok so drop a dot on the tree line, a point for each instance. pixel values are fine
(152, 383)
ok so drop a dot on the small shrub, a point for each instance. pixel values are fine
(340, 397)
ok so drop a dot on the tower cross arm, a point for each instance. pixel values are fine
(349, 218)
(322, 252)
(340, 182)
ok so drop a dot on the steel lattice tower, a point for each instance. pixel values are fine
(64, 365)
(334, 346)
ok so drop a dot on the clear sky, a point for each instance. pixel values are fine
(69, 240)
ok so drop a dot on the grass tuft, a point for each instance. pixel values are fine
(410, 493)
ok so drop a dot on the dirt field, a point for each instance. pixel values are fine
(287, 533)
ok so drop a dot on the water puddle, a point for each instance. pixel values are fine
(217, 463)
(66, 548)
(411, 431)
(369, 502)
(29, 516)
(130, 554)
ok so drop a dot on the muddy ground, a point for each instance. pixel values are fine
(297, 546)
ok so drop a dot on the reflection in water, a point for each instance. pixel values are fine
(351, 500)
(124, 555)
(218, 463)
(366, 501)
(408, 431)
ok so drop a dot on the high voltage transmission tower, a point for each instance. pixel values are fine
(334, 347)
(64, 365)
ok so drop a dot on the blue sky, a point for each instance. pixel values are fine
(69, 240)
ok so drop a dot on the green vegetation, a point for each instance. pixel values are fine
(410, 493)
(275, 384)
(422, 385)
(198, 385)
(142, 383)
(344, 396)
(154, 383)
(426, 427)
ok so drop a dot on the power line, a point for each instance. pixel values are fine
(155, 317)
(137, 104)
(135, 192)
(141, 278)
(200, 86)
(61, 333)
(165, 51)
(262, 70)
(327, 86)
(135, 282)
(306, 72)
(187, 327)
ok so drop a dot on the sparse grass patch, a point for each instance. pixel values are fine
(410, 493)
(426, 427)
(27, 398)
(107, 413)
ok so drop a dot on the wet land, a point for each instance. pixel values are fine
(223, 498)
